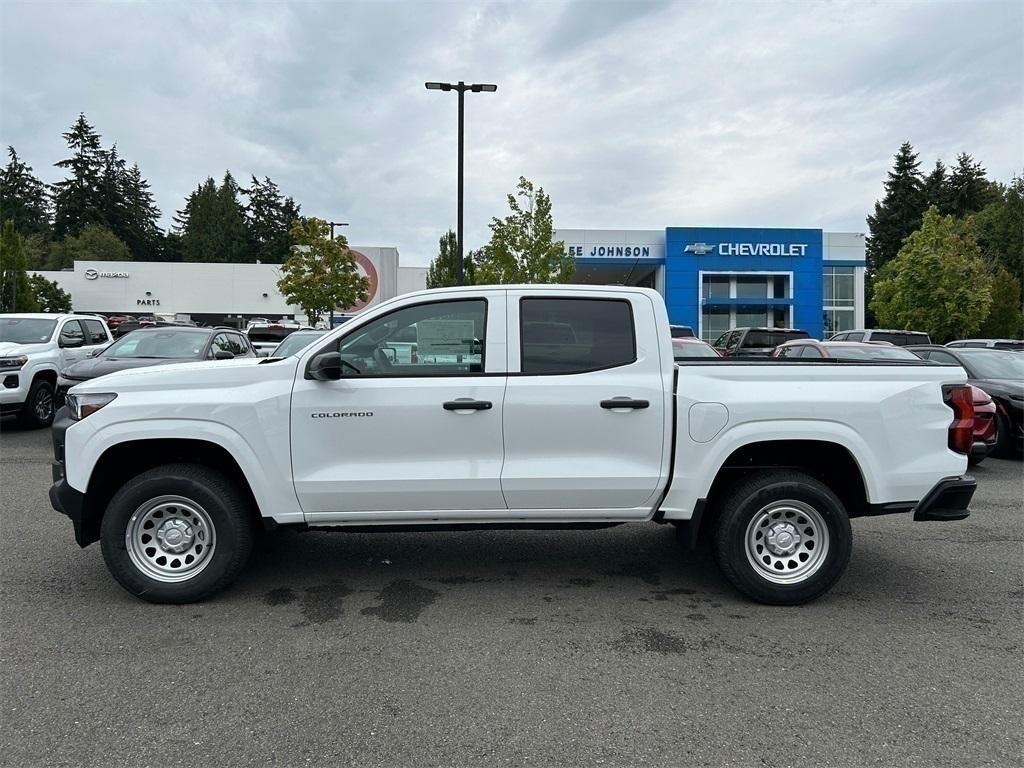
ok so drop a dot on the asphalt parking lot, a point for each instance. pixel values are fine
(610, 647)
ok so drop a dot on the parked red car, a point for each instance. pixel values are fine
(986, 433)
(809, 349)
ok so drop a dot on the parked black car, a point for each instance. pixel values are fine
(1000, 373)
(158, 345)
(755, 342)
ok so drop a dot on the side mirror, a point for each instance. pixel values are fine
(71, 343)
(223, 354)
(325, 367)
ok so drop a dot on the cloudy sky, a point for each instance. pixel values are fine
(631, 115)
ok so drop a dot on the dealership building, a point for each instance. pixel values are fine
(714, 279)
(213, 293)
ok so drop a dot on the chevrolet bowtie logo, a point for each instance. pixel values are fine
(699, 249)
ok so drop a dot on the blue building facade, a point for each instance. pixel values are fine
(717, 278)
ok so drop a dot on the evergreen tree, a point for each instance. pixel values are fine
(113, 208)
(15, 291)
(1001, 228)
(444, 269)
(522, 248)
(936, 191)
(234, 240)
(1005, 317)
(967, 190)
(79, 200)
(23, 197)
(269, 216)
(898, 213)
(141, 228)
(212, 224)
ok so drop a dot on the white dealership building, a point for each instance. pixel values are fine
(214, 292)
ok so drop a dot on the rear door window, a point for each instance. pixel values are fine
(560, 335)
(855, 336)
(810, 352)
(95, 330)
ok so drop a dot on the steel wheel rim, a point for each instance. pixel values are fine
(170, 538)
(787, 541)
(44, 403)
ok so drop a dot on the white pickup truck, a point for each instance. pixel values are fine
(35, 348)
(496, 422)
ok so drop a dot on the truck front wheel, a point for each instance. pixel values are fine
(177, 533)
(782, 537)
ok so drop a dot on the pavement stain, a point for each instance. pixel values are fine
(647, 572)
(664, 594)
(319, 604)
(526, 621)
(402, 601)
(650, 640)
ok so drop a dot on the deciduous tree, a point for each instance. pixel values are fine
(49, 296)
(321, 274)
(94, 243)
(522, 248)
(937, 283)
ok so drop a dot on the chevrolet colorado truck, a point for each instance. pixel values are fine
(495, 421)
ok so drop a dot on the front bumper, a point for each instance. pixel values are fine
(948, 500)
(63, 498)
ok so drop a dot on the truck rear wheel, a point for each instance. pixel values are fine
(782, 537)
(177, 533)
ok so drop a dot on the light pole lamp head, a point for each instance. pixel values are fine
(486, 87)
(438, 86)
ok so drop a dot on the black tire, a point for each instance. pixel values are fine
(36, 414)
(782, 502)
(231, 526)
(1004, 447)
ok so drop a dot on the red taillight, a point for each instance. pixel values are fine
(961, 431)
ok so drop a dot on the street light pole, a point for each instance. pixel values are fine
(461, 88)
(333, 225)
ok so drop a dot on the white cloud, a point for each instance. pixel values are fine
(637, 115)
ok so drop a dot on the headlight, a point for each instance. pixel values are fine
(80, 406)
(12, 363)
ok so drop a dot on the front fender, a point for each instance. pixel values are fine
(270, 480)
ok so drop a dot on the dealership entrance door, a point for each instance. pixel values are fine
(643, 273)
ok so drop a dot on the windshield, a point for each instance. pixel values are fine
(871, 353)
(163, 345)
(994, 363)
(26, 330)
(761, 339)
(297, 342)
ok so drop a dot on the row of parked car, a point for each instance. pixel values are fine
(994, 367)
(42, 356)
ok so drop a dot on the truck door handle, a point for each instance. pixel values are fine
(625, 402)
(467, 404)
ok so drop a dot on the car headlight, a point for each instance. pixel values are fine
(80, 406)
(12, 363)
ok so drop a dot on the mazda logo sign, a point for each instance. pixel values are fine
(91, 274)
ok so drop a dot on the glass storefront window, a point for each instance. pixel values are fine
(715, 322)
(716, 287)
(838, 286)
(752, 287)
(837, 320)
(751, 315)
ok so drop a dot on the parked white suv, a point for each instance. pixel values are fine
(34, 349)
(895, 337)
